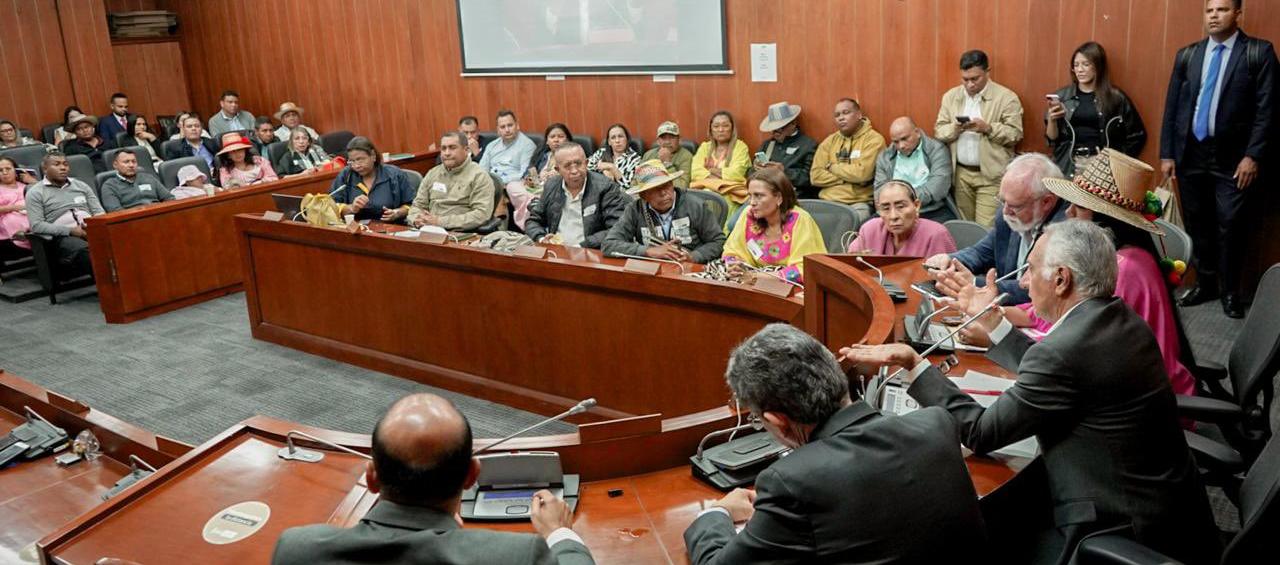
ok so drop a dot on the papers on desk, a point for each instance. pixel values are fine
(939, 332)
(984, 389)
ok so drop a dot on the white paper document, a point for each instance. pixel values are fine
(983, 388)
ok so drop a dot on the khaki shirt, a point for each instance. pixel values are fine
(1001, 109)
(844, 167)
(460, 199)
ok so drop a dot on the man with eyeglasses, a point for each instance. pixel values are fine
(1026, 207)
(858, 486)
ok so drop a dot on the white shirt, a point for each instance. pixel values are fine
(970, 142)
(1227, 49)
(571, 225)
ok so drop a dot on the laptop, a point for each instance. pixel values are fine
(288, 205)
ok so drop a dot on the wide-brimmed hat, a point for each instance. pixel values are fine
(779, 115)
(189, 173)
(235, 144)
(668, 128)
(286, 108)
(1113, 184)
(71, 124)
(651, 174)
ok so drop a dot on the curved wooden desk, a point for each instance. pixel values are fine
(37, 497)
(154, 259)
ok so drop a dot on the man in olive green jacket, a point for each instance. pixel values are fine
(456, 194)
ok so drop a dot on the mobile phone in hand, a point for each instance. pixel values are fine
(962, 119)
(761, 159)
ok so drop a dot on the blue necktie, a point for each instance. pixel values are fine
(1201, 128)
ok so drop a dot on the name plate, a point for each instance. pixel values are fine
(273, 216)
(433, 237)
(531, 251)
(644, 267)
(772, 285)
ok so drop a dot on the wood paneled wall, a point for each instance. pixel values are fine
(154, 77)
(38, 85)
(391, 68)
(88, 50)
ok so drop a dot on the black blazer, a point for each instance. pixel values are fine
(183, 149)
(1246, 106)
(1095, 394)
(602, 205)
(867, 489)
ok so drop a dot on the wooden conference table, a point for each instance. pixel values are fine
(322, 290)
(154, 259)
(37, 497)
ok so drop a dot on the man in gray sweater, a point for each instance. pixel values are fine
(57, 207)
(664, 222)
(131, 187)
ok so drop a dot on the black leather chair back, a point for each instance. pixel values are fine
(144, 159)
(169, 169)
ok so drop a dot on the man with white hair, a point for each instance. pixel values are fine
(1027, 207)
(1093, 392)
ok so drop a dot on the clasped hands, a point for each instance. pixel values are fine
(671, 251)
(388, 214)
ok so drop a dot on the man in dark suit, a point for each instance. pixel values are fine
(859, 487)
(578, 205)
(1219, 120)
(1027, 208)
(192, 144)
(421, 463)
(118, 120)
(1095, 395)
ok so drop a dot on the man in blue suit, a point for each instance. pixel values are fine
(117, 121)
(1219, 117)
(1027, 207)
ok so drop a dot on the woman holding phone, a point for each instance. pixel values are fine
(1091, 114)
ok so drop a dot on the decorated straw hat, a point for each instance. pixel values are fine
(650, 174)
(286, 108)
(230, 144)
(1113, 184)
(77, 119)
(779, 115)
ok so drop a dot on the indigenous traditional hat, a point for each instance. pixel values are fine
(75, 120)
(1114, 184)
(234, 144)
(286, 108)
(779, 115)
(651, 174)
(189, 173)
(668, 128)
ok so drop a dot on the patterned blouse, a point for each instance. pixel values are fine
(626, 164)
(800, 237)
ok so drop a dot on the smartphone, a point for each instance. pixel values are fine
(1052, 97)
(22, 170)
(761, 159)
(962, 119)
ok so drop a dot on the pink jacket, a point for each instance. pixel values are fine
(928, 239)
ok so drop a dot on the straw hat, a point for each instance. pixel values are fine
(75, 120)
(651, 174)
(235, 144)
(1113, 184)
(286, 108)
(779, 115)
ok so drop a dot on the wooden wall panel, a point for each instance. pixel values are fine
(89, 57)
(153, 76)
(132, 5)
(37, 86)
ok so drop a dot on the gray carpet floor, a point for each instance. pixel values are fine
(193, 373)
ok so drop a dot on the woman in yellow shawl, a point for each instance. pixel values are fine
(722, 161)
(773, 230)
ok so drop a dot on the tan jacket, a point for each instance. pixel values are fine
(1001, 109)
(461, 199)
(847, 180)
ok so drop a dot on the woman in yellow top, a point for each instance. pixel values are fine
(772, 230)
(722, 161)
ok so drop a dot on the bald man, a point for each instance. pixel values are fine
(421, 464)
(921, 161)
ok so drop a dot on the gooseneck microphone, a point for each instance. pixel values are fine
(577, 409)
(879, 273)
(295, 453)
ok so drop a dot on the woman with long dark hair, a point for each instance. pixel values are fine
(617, 159)
(1091, 114)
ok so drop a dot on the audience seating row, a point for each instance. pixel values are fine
(587, 142)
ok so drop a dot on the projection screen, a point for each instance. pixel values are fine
(566, 37)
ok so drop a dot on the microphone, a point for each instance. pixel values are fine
(879, 273)
(878, 387)
(577, 409)
(719, 433)
(294, 453)
(895, 292)
(337, 190)
(1013, 273)
(643, 258)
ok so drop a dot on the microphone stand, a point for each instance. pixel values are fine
(577, 409)
(292, 452)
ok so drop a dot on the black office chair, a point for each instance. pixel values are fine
(169, 169)
(1256, 542)
(168, 125)
(487, 137)
(335, 142)
(82, 169)
(48, 132)
(687, 144)
(713, 202)
(496, 223)
(834, 220)
(965, 233)
(50, 274)
(144, 158)
(588, 144)
(27, 156)
(273, 150)
(24, 132)
(171, 147)
(638, 145)
(536, 138)
(99, 180)
(414, 177)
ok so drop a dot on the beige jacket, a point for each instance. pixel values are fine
(1001, 109)
(461, 199)
(844, 167)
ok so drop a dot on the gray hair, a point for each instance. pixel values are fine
(1085, 249)
(570, 145)
(782, 369)
(458, 136)
(1032, 169)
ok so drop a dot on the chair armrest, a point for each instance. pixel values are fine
(1207, 409)
(1118, 550)
(1210, 371)
(1213, 456)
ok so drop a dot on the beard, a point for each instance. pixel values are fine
(1023, 228)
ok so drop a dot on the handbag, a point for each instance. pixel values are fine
(1170, 203)
(320, 210)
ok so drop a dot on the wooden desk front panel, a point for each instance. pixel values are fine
(538, 334)
(163, 523)
(158, 258)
